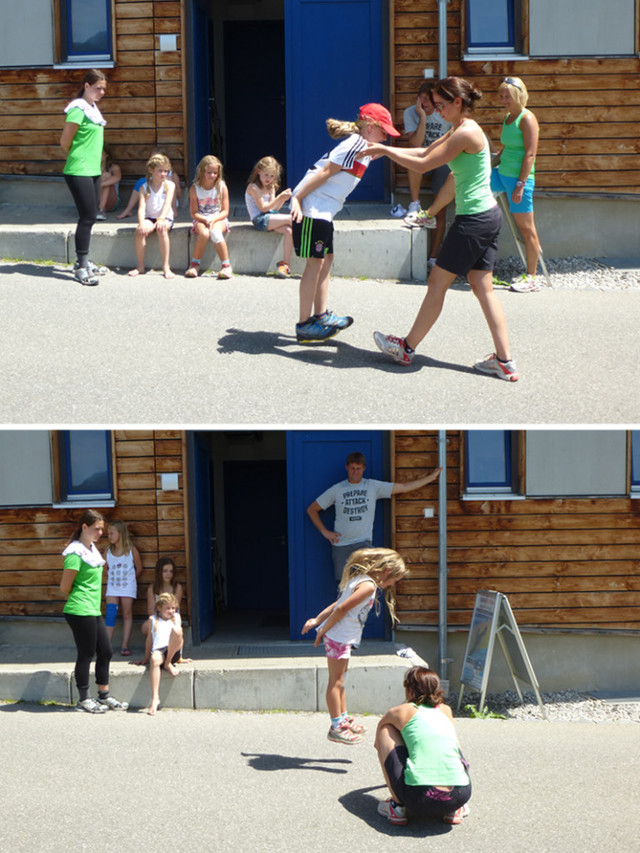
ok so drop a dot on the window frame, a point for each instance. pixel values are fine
(60, 453)
(634, 475)
(65, 56)
(515, 48)
(511, 487)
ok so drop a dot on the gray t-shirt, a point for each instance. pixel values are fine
(435, 127)
(355, 505)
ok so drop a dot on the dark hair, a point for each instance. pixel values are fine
(451, 88)
(88, 517)
(426, 86)
(357, 458)
(423, 686)
(157, 580)
(91, 77)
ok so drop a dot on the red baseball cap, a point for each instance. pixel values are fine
(381, 115)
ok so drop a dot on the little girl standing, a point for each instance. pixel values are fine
(341, 624)
(124, 568)
(262, 199)
(209, 206)
(155, 212)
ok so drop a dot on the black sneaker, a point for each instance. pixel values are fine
(313, 330)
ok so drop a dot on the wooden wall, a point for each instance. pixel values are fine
(588, 109)
(32, 540)
(143, 106)
(563, 563)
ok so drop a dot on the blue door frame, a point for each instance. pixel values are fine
(315, 461)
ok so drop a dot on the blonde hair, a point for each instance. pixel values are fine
(208, 160)
(516, 89)
(156, 161)
(266, 164)
(337, 129)
(164, 599)
(126, 541)
(378, 564)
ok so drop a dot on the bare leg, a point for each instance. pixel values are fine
(175, 644)
(527, 226)
(439, 282)
(336, 697)
(438, 233)
(387, 739)
(127, 621)
(222, 251)
(133, 202)
(282, 225)
(481, 282)
(163, 241)
(141, 246)
(415, 179)
(314, 286)
(154, 677)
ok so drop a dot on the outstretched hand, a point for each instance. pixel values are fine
(373, 149)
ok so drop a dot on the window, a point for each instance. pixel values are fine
(568, 28)
(491, 462)
(635, 462)
(85, 30)
(26, 35)
(493, 26)
(84, 465)
(585, 463)
(25, 467)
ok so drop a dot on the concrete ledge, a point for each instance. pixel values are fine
(33, 684)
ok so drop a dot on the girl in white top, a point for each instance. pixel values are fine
(124, 568)
(164, 641)
(209, 207)
(263, 200)
(155, 212)
(340, 625)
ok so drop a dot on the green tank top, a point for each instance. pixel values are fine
(472, 173)
(513, 152)
(434, 756)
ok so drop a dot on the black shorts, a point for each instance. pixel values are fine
(423, 800)
(312, 238)
(471, 243)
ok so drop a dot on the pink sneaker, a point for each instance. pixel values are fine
(394, 813)
(454, 818)
(355, 727)
(393, 346)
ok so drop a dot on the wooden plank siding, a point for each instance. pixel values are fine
(563, 563)
(32, 539)
(588, 109)
(144, 105)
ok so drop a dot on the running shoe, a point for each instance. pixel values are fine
(355, 727)
(431, 262)
(394, 813)
(226, 271)
(283, 270)
(414, 207)
(331, 319)
(113, 704)
(85, 276)
(313, 330)
(394, 347)
(502, 369)
(193, 271)
(91, 706)
(95, 269)
(421, 219)
(343, 734)
(101, 216)
(526, 284)
(454, 818)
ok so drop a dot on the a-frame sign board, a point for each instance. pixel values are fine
(493, 617)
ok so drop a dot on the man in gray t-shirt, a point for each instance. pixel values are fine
(355, 506)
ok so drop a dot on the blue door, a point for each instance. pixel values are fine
(201, 142)
(316, 460)
(335, 53)
(204, 597)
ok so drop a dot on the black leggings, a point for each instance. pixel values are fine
(86, 194)
(91, 637)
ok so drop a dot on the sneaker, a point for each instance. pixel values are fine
(283, 270)
(85, 276)
(454, 818)
(226, 271)
(355, 727)
(526, 284)
(414, 207)
(331, 319)
(101, 216)
(113, 704)
(343, 734)
(91, 706)
(192, 272)
(431, 262)
(502, 369)
(394, 813)
(94, 269)
(394, 347)
(314, 330)
(398, 211)
(421, 219)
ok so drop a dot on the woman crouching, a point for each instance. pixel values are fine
(420, 756)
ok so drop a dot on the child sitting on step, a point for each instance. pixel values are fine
(263, 200)
(209, 206)
(164, 642)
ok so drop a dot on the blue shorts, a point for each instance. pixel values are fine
(261, 221)
(503, 184)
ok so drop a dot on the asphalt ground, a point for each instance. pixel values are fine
(257, 783)
(198, 352)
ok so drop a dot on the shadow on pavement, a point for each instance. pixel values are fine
(267, 761)
(35, 708)
(361, 804)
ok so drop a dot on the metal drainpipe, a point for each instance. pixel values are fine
(442, 38)
(442, 561)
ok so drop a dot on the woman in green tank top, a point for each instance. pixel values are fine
(420, 756)
(471, 245)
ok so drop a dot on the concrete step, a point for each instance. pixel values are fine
(243, 676)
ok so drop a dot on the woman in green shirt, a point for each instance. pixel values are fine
(470, 247)
(82, 141)
(420, 755)
(81, 585)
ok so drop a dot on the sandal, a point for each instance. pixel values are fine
(125, 653)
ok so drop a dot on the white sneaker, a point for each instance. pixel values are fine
(226, 271)
(414, 207)
(502, 369)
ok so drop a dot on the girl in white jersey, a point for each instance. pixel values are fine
(209, 206)
(340, 625)
(155, 212)
(471, 246)
(315, 202)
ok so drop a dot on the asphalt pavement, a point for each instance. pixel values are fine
(186, 352)
(272, 783)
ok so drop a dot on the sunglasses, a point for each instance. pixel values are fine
(510, 81)
(439, 105)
